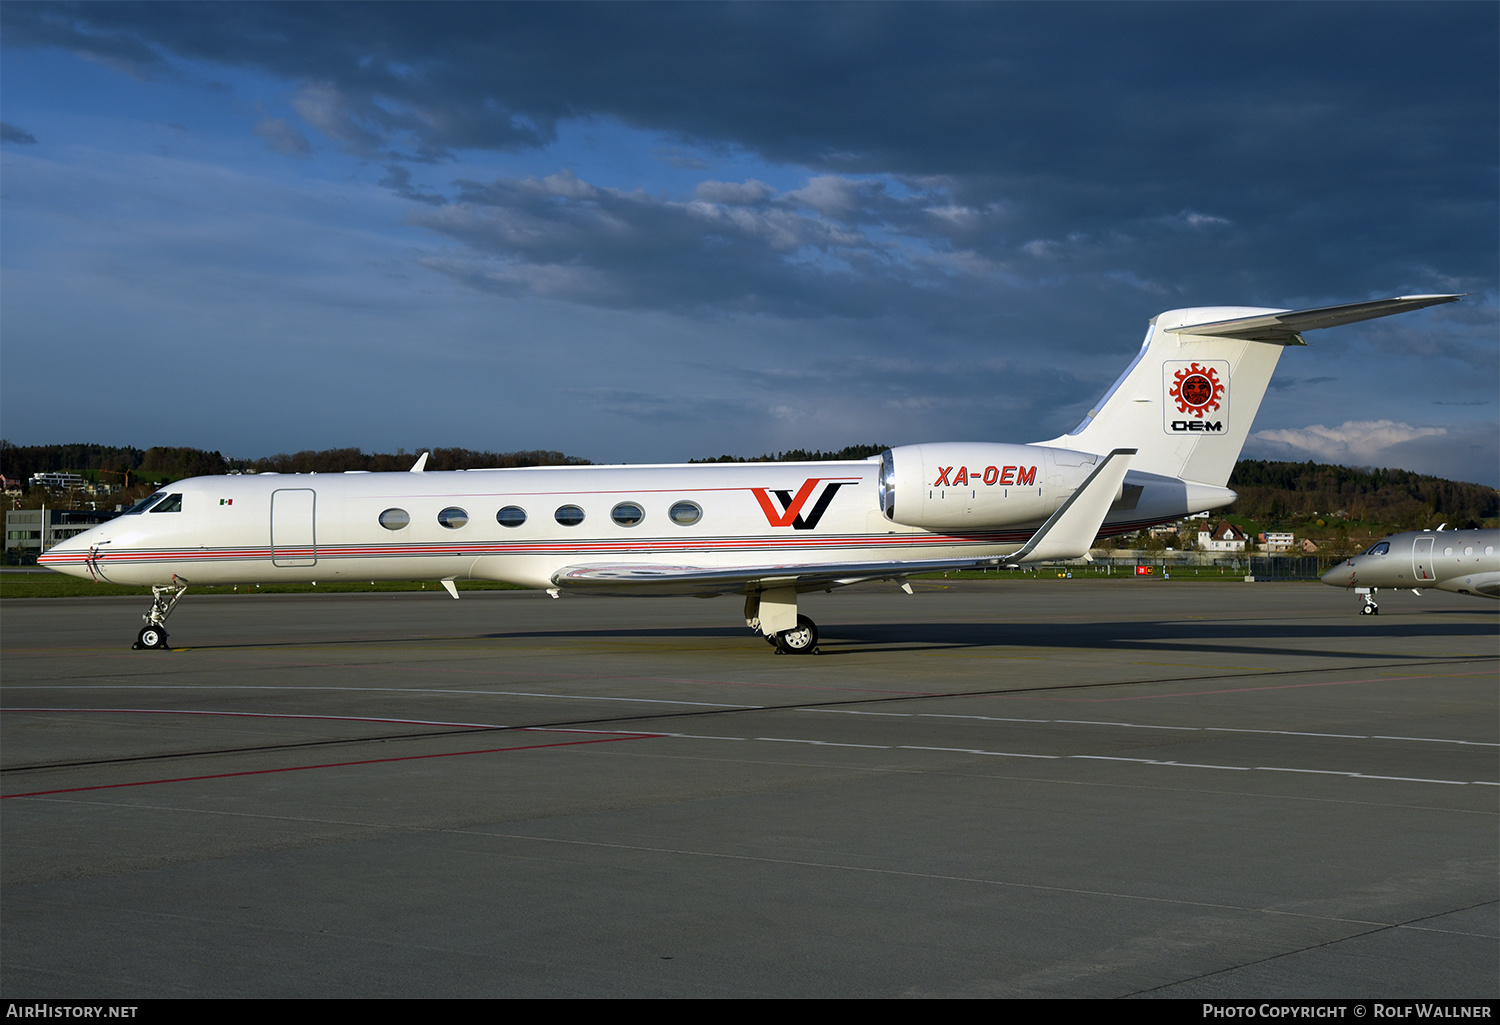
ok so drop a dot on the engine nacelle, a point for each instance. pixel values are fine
(978, 486)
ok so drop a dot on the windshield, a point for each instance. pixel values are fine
(144, 504)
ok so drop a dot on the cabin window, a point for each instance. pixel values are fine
(394, 519)
(569, 515)
(627, 514)
(1468, 549)
(453, 517)
(1448, 550)
(172, 503)
(511, 516)
(685, 514)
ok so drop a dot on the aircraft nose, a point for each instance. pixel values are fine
(69, 556)
(1341, 575)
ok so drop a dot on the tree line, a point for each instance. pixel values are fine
(1280, 491)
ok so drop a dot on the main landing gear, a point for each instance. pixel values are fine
(801, 639)
(163, 601)
(773, 614)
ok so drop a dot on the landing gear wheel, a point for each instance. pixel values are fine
(1370, 610)
(150, 637)
(802, 639)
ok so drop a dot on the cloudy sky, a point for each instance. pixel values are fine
(650, 232)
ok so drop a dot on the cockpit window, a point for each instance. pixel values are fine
(144, 504)
(1379, 548)
(172, 503)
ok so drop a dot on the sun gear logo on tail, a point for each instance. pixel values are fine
(790, 514)
(1197, 397)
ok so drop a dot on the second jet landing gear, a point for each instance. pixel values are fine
(773, 613)
(1370, 608)
(163, 601)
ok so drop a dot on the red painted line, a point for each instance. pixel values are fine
(331, 765)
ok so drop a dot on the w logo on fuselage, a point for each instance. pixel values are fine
(790, 514)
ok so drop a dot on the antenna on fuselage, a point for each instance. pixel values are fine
(420, 463)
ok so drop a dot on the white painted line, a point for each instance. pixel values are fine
(1439, 740)
(976, 751)
(822, 743)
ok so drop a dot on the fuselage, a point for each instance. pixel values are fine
(526, 525)
(1463, 561)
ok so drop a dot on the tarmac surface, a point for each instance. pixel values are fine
(1019, 788)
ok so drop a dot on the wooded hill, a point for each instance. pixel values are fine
(1278, 491)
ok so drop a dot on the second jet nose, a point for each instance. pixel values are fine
(1341, 575)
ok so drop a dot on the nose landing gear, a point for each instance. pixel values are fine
(163, 600)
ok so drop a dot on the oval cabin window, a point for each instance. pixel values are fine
(685, 514)
(627, 514)
(394, 519)
(453, 517)
(511, 516)
(569, 515)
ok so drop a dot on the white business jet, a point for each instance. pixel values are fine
(1158, 446)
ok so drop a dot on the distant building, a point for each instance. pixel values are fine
(29, 532)
(1278, 542)
(1224, 538)
(57, 481)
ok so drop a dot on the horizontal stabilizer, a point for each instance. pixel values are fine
(1070, 531)
(1283, 328)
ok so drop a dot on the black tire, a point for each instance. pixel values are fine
(801, 639)
(151, 637)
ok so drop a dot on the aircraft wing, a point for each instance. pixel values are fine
(641, 578)
(1284, 327)
(1067, 534)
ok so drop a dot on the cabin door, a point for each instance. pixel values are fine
(1421, 559)
(293, 542)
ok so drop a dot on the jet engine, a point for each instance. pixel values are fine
(978, 486)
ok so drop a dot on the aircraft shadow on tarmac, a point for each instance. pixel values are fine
(1135, 636)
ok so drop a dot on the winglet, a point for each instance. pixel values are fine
(420, 464)
(1070, 531)
(449, 586)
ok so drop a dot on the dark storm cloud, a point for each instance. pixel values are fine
(957, 154)
(739, 246)
(10, 133)
(1359, 137)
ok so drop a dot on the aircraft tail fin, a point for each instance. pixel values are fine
(1188, 399)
